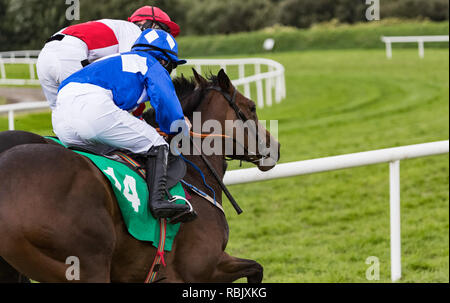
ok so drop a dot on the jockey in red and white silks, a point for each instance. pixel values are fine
(64, 53)
(73, 47)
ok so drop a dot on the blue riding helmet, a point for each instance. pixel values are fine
(160, 45)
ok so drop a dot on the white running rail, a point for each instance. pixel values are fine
(391, 155)
(269, 84)
(266, 82)
(28, 57)
(273, 80)
(20, 54)
(420, 40)
(11, 108)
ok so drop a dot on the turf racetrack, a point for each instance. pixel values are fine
(323, 227)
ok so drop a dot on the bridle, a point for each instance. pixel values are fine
(232, 102)
(231, 99)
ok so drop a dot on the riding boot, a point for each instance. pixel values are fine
(156, 166)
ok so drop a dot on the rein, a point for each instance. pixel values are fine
(218, 179)
(231, 99)
(196, 135)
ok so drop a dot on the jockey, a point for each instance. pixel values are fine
(75, 46)
(93, 105)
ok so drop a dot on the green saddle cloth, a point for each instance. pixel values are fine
(132, 195)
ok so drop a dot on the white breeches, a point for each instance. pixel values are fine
(86, 116)
(57, 61)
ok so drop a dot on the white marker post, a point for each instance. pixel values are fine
(394, 181)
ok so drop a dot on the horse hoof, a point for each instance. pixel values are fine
(257, 276)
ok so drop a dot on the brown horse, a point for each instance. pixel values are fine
(55, 204)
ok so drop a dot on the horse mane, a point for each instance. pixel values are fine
(190, 97)
(183, 86)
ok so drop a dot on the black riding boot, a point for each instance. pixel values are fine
(157, 182)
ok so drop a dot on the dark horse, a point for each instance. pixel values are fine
(55, 203)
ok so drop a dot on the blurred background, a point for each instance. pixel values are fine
(26, 24)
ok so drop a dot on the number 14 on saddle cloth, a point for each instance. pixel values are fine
(132, 195)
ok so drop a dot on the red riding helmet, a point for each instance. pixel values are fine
(155, 14)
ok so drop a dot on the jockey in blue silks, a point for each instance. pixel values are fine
(93, 109)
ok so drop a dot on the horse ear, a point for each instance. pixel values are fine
(201, 82)
(224, 81)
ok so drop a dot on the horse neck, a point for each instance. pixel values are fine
(217, 162)
(198, 101)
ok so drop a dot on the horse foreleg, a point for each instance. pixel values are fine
(230, 269)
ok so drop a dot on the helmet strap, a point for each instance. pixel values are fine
(169, 65)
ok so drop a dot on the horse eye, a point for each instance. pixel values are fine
(253, 109)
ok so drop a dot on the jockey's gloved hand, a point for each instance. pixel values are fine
(181, 126)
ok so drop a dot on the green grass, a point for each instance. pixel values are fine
(322, 227)
(39, 123)
(326, 225)
(19, 71)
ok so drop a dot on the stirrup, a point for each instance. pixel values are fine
(184, 217)
(166, 211)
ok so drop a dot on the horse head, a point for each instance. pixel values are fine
(248, 140)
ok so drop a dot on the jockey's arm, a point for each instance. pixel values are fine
(164, 100)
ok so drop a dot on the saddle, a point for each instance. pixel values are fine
(176, 167)
(126, 175)
(176, 170)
